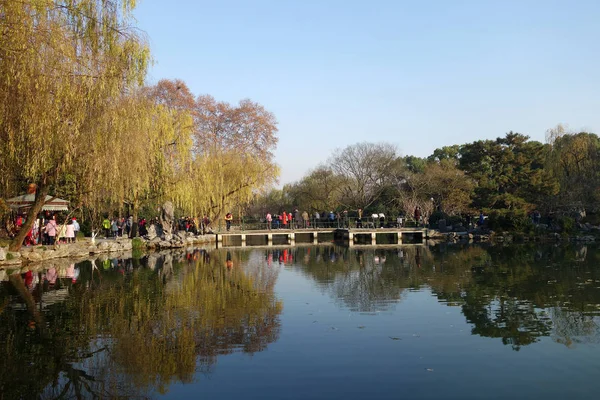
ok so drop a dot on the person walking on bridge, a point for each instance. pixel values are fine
(297, 218)
(228, 219)
(417, 215)
(269, 220)
(305, 219)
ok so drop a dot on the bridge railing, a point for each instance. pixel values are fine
(251, 224)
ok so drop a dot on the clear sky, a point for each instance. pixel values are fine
(417, 74)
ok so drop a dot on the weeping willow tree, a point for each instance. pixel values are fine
(232, 156)
(145, 153)
(222, 180)
(62, 65)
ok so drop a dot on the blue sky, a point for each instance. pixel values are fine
(416, 74)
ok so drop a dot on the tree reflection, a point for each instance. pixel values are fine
(363, 280)
(132, 330)
(516, 293)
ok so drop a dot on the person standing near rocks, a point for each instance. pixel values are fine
(76, 229)
(106, 227)
(114, 227)
(70, 232)
(51, 230)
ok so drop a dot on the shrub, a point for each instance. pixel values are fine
(510, 220)
(567, 224)
(436, 216)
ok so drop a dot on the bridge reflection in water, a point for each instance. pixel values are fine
(351, 237)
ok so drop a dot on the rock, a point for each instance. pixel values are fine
(3, 251)
(164, 244)
(442, 225)
(103, 246)
(151, 232)
(585, 239)
(15, 255)
(32, 256)
(11, 263)
(115, 246)
(166, 219)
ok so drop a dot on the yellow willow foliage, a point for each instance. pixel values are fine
(62, 65)
(220, 180)
(142, 150)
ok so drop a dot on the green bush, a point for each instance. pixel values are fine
(137, 247)
(510, 220)
(86, 228)
(567, 224)
(436, 216)
(455, 220)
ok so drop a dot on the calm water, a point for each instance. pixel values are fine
(320, 322)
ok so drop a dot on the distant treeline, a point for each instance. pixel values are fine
(508, 179)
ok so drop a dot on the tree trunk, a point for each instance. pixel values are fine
(134, 214)
(40, 197)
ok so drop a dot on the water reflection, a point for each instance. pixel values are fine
(125, 327)
(515, 293)
(131, 327)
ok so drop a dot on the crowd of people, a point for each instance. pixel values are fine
(337, 219)
(49, 229)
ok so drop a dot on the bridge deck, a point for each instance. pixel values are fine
(348, 235)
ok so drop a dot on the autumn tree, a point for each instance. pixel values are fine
(63, 64)
(447, 185)
(364, 170)
(574, 160)
(233, 156)
(317, 191)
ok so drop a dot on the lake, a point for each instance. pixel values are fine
(446, 321)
